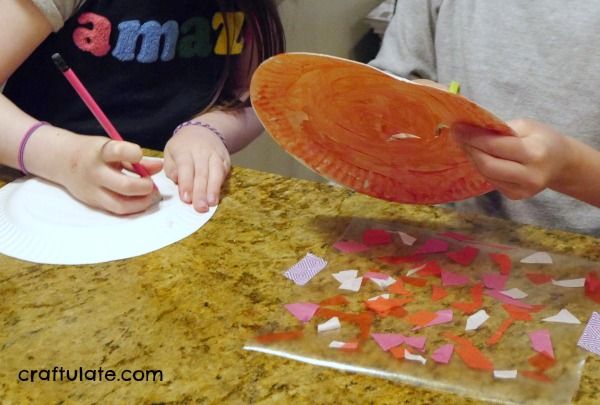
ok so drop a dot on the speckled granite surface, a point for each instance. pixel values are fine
(189, 308)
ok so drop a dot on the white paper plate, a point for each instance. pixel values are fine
(40, 222)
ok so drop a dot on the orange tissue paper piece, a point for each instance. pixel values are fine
(398, 288)
(503, 261)
(476, 304)
(418, 282)
(397, 312)
(383, 306)
(279, 336)
(459, 340)
(542, 361)
(516, 313)
(421, 318)
(438, 293)
(336, 300)
(363, 319)
(592, 286)
(497, 335)
(474, 358)
(397, 352)
(535, 375)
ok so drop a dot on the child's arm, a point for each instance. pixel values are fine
(539, 157)
(198, 160)
(88, 167)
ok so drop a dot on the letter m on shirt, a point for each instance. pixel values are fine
(146, 39)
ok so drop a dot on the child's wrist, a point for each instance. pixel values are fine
(196, 122)
(48, 154)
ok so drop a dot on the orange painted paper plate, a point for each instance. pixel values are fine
(370, 131)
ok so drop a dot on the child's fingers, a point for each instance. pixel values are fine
(170, 167)
(200, 184)
(125, 205)
(502, 146)
(153, 166)
(121, 151)
(125, 185)
(217, 173)
(497, 169)
(185, 177)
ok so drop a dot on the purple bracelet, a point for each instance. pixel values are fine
(26, 137)
(203, 125)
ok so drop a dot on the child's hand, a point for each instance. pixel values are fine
(94, 176)
(518, 166)
(198, 162)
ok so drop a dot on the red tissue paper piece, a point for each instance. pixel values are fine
(464, 256)
(503, 261)
(456, 236)
(372, 237)
(592, 286)
(433, 246)
(539, 278)
(430, 268)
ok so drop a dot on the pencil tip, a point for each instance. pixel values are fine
(60, 62)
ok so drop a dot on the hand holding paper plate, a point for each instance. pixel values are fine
(42, 223)
(375, 133)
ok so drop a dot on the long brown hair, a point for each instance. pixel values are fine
(263, 37)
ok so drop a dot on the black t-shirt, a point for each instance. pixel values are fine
(150, 65)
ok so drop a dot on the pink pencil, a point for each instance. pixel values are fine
(94, 107)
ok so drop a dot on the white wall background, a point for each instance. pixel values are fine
(333, 27)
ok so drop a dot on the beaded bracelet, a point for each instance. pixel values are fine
(203, 125)
(24, 140)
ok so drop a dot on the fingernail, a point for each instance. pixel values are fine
(186, 197)
(212, 199)
(202, 206)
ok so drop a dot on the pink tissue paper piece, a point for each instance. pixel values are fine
(418, 342)
(305, 269)
(350, 246)
(376, 275)
(507, 300)
(443, 354)
(388, 340)
(433, 246)
(540, 341)
(372, 237)
(304, 311)
(495, 281)
(454, 279)
(590, 339)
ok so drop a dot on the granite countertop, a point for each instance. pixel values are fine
(189, 308)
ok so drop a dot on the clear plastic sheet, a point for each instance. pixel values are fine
(512, 352)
